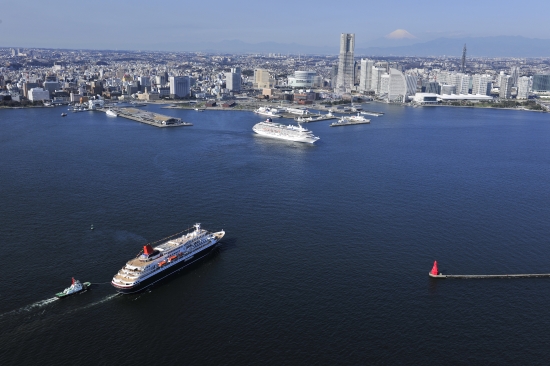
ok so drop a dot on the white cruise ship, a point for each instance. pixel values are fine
(269, 112)
(283, 132)
(154, 264)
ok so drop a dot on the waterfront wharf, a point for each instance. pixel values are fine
(434, 273)
(349, 123)
(315, 119)
(150, 118)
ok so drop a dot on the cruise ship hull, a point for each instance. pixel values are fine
(157, 278)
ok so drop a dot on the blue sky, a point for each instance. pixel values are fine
(168, 24)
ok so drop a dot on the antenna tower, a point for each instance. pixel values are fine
(464, 58)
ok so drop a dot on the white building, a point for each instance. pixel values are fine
(302, 79)
(36, 94)
(505, 90)
(481, 84)
(448, 89)
(397, 90)
(365, 81)
(523, 87)
(384, 85)
(376, 80)
(233, 80)
(180, 86)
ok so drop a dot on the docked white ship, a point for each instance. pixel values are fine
(284, 132)
(154, 264)
(269, 112)
(359, 118)
(111, 113)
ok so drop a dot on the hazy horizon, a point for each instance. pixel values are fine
(170, 25)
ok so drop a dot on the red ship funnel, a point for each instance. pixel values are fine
(147, 249)
(72, 279)
(434, 269)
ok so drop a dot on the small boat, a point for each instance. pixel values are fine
(75, 288)
(63, 114)
(92, 227)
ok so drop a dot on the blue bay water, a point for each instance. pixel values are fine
(327, 250)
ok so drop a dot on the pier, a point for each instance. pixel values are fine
(150, 118)
(435, 274)
(349, 123)
(314, 119)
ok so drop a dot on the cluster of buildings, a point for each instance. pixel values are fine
(391, 82)
(65, 76)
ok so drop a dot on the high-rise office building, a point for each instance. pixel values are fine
(160, 80)
(262, 79)
(376, 80)
(481, 84)
(514, 73)
(180, 86)
(462, 83)
(523, 87)
(541, 83)
(346, 65)
(397, 88)
(505, 86)
(366, 74)
(233, 79)
(333, 76)
(412, 82)
(384, 85)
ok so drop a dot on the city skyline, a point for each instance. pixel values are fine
(175, 26)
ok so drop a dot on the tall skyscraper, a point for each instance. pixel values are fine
(366, 74)
(505, 86)
(345, 62)
(523, 87)
(514, 73)
(333, 76)
(180, 86)
(233, 79)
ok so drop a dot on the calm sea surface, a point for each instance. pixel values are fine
(327, 251)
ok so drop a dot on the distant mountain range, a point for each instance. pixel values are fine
(500, 46)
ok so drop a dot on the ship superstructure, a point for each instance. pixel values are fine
(284, 132)
(269, 112)
(154, 264)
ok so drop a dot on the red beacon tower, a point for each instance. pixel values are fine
(434, 272)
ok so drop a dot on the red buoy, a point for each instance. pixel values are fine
(434, 270)
(147, 249)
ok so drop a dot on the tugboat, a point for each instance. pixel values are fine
(75, 288)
